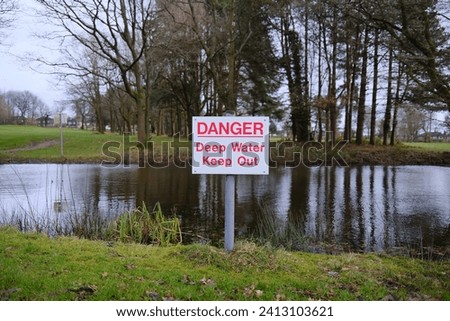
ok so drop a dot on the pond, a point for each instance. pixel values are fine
(365, 208)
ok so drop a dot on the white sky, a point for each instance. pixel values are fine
(15, 72)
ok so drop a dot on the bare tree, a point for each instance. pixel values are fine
(412, 122)
(26, 103)
(7, 10)
(447, 121)
(81, 108)
(5, 111)
(115, 30)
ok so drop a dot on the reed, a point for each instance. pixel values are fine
(145, 227)
(271, 230)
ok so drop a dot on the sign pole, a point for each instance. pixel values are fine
(61, 134)
(230, 188)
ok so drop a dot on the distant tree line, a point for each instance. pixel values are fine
(21, 107)
(149, 66)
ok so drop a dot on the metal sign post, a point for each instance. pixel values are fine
(230, 201)
(61, 135)
(230, 190)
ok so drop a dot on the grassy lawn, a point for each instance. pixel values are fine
(23, 142)
(20, 143)
(35, 267)
(19, 136)
(434, 147)
(33, 143)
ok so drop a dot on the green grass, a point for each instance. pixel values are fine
(20, 136)
(434, 147)
(35, 267)
(79, 145)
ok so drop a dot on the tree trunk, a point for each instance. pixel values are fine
(141, 123)
(97, 104)
(387, 114)
(373, 114)
(319, 84)
(306, 105)
(362, 94)
(139, 96)
(332, 82)
(397, 100)
(348, 77)
(231, 95)
(352, 95)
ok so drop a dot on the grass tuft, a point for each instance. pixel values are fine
(141, 226)
(270, 231)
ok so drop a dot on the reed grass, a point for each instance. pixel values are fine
(270, 230)
(145, 227)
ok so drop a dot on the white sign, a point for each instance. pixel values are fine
(230, 145)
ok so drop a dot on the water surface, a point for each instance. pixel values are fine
(366, 208)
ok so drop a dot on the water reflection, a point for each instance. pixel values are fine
(366, 208)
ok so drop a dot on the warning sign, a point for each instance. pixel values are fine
(230, 145)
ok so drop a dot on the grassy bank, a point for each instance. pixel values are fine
(400, 154)
(35, 267)
(432, 147)
(36, 144)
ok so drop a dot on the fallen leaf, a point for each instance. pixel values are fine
(84, 288)
(248, 291)
(83, 291)
(280, 297)
(258, 293)
(205, 281)
(152, 295)
(187, 280)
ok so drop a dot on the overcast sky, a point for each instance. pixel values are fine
(16, 73)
